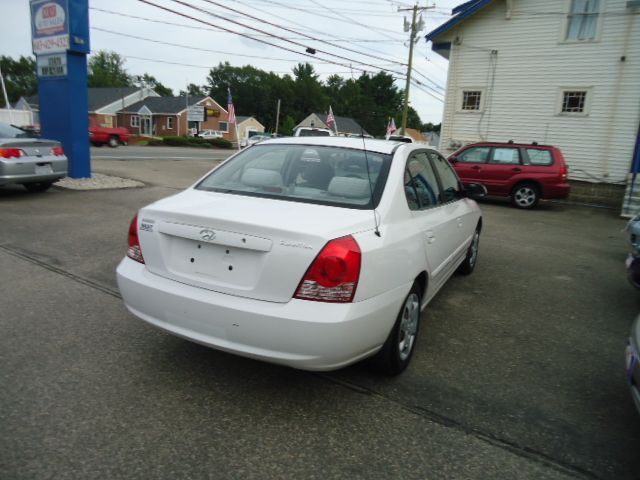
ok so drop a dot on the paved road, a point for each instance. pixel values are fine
(518, 372)
(134, 152)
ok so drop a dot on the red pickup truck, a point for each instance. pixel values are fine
(113, 137)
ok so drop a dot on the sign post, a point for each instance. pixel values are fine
(60, 40)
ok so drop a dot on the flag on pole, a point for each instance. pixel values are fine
(391, 127)
(231, 109)
(331, 120)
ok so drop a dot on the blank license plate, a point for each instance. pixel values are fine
(43, 169)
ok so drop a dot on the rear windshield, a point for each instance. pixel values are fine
(9, 131)
(314, 133)
(304, 173)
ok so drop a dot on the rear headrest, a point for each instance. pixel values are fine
(259, 177)
(349, 187)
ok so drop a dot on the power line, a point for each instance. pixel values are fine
(306, 47)
(191, 47)
(303, 34)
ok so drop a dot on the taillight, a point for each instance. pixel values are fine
(57, 151)
(563, 172)
(11, 153)
(134, 251)
(333, 275)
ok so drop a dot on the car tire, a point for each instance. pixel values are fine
(395, 355)
(37, 187)
(525, 195)
(114, 141)
(469, 264)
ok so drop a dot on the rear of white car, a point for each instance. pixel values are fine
(265, 262)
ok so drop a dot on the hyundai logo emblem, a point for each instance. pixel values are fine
(207, 234)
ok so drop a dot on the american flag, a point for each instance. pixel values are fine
(331, 120)
(391, 127)
(231, 109)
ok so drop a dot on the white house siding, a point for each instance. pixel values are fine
(532, 65)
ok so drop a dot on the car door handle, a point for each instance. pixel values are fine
(459, 222)
(430, 237)
(475, 167)
(516, 169)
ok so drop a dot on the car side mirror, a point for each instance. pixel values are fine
(453, 159)
(475, 190)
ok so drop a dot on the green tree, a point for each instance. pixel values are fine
(194, 90)
(431, 127)
(19, 77)
(149, 81)
(106, 69)
(286, 128)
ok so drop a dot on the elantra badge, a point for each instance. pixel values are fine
(207, 235)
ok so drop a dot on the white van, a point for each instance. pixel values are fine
(313, 132)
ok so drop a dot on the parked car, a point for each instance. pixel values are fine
(313, 132)
(209, 134)
(633, 362)
(100, 135)
(32, 162)
(523, 172)
(253, 139)
(400, 138)
(311, 261)
(633, 259)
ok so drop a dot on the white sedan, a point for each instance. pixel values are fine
(309, 252)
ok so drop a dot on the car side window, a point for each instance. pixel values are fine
(539, 157)
(449, 181)
(474, 155)
(505, 156)
(420, 183)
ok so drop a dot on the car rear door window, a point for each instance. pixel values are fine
(505, 156)
(420, 183)
(539, 157)
(474, 155)
(449, 182)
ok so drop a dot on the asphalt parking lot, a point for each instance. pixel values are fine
(519, 371)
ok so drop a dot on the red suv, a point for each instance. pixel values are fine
(525, 173)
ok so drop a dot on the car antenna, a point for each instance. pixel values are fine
(366, 161)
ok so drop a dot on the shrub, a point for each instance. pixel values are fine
(155, 142)
(175, 141)
(219, 142)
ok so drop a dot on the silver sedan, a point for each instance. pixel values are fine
(33, 162)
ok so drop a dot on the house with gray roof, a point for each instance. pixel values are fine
(104, 103)
(169, 116)
(344, 125)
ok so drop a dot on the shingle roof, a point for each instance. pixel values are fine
(101, 97)
(460, 12)
(345, 124)
(98, 97)
(242, 118)
(162, 104)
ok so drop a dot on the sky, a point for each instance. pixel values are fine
(361, 31)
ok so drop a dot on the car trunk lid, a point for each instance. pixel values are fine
(246, 246)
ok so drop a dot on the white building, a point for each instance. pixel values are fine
(559, 72)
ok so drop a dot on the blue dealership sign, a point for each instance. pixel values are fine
(49, 26)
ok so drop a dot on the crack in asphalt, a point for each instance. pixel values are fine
(448, 422)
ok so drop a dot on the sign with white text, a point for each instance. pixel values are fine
(49, 26)
(195, 113)
(52, 65)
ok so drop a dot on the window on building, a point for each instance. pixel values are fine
(224, 127)
(169, 123)
(583, 20)
(574, 101)
(471, 100)
(135, 121)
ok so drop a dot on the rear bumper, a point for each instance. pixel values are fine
(20, 170)
(556, 191)
(300, 334)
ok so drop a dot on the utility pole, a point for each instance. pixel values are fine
(6, 98)
(277, 117)
(414, 29)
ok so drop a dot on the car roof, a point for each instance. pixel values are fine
(509, 144)
(373, 145)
